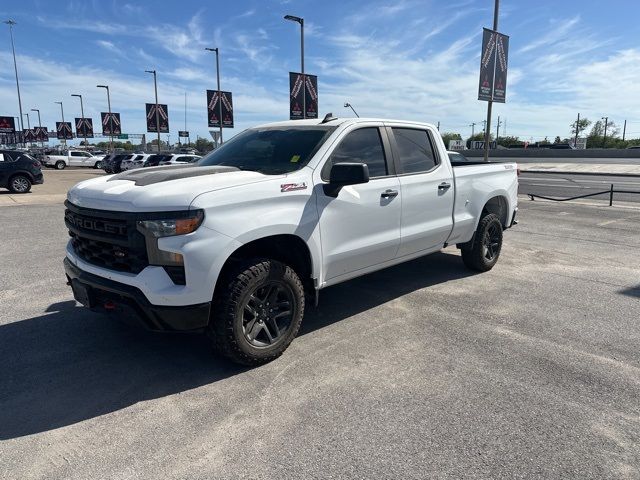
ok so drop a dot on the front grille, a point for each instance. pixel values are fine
(107, 239)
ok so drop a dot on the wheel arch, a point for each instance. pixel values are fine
(498, 205)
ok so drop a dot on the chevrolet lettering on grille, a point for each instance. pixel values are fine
(96, 225)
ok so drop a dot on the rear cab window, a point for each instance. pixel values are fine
(414, 150)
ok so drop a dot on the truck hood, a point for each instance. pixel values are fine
(158, 188)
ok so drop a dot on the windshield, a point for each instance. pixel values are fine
(272, 150)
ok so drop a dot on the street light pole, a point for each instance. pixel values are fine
(216, 50)
(84, 127)
(110, 119)
(473, 127)
(39, 122)
(300, 20)
(155, 86)
(487, 130)
(11, 23)
(28, 126)
(348, 105)
(604, 141)
(62, 111)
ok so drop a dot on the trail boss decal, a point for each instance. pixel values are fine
(292, 187)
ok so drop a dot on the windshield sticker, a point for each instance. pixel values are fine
(292, 187)
(295, 159)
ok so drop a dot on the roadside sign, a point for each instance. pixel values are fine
(493, 66)
(479, 145)
(7, 125)
(214, 97)
(84, 127)
(111, 124)
(63, 130)
(215, 134)
(163, 117)
(581, 144)
(456, 144)
(123, 136)
(183, 134)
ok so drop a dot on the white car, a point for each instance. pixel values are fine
(73, 158)
(236, 244)
(181, 158)
(134, 161)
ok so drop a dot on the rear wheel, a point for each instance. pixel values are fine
(60, 165)
(257, 312)
(19, 184)
(482, 253)
(98, 164)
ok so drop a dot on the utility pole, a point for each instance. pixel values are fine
(473, 126)
(28, 126)
(484, 127)
(11, 23)
(219, 91)
(39, 122)
(84, 127)
(604, 141)
(498, 130)
(300, 20)
(110, 118)
(575, 142)
(487, 134)
(155, 86)
(64, 140)
(185, 117)
(438, 125)
(624, 130)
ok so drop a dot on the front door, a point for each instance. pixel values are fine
(360, 227)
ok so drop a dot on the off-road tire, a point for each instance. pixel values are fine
(227, 325)
(19, 184)
(482, 253)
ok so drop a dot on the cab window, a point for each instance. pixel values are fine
(363, 145)
(415, 151)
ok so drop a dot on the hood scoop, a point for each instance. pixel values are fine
(149, 176)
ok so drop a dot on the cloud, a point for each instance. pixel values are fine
(560, 28)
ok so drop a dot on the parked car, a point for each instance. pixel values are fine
(18, 171)
(126, 161)
(180, 158)
(73, 158)
(136, 162)
(234, 246)
(113, 163)
(155, 159)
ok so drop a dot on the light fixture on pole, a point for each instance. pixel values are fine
(300, 20)
(155, 86)
(84, 127)
(64, 140)
(39, 122)
(11, 23)
(348, 105)
(110, 119)
(216, 50)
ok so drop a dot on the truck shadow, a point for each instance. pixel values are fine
(71, 365)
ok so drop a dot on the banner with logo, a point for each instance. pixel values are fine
(311, 96)
(42, 135)
(163, 117)
(214, 97)
(7, 125)
(493, 66)
(296, 96)
(64, 131)
(110, 124)
(29, 135)
(84, 127)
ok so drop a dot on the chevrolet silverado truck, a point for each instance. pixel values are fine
(234, 245)
(73, 158)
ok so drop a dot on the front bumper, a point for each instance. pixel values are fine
(104, 295)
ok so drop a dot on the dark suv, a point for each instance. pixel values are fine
(112, 163)
(18, 171)
(157, 159)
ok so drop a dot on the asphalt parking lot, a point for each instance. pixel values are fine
(424, 370)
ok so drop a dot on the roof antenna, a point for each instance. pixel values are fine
(328, 117)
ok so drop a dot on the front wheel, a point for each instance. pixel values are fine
(19, 184)
(482, 253)
(257, 312)
(98, 164)
(60, 165)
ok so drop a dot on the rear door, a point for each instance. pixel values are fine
(427, 192)
(76, 159)
(360, 227)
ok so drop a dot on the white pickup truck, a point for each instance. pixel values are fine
(234, 244)
(73, 158)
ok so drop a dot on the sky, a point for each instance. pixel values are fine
(405, 59)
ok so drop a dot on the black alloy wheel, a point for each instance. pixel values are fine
(267, 314)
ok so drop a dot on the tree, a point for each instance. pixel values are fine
(203, 145)
(582, 126)
(557, 140)
(510, 141)
(448, 136)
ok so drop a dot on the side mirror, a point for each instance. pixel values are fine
(343, 174)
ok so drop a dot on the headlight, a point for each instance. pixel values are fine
(170, 227)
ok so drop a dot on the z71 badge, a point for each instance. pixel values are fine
(292, 187)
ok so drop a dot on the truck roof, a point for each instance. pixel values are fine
(341, 121)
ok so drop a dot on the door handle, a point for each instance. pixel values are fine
(389, 194)
(444, 186)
